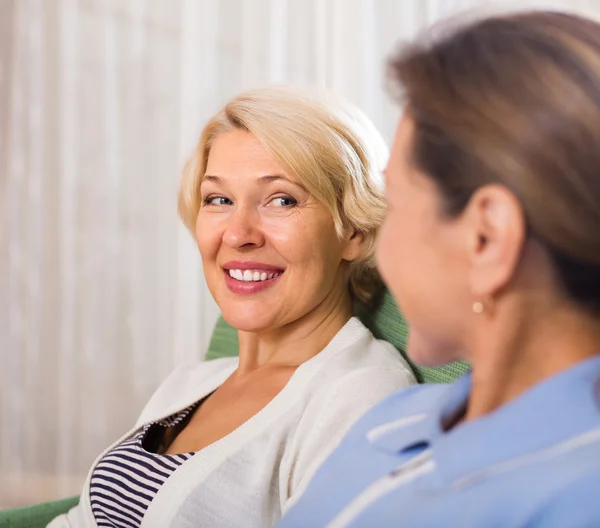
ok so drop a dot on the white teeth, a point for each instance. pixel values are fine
(252, 276)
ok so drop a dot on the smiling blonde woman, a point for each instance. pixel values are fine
(283, 195)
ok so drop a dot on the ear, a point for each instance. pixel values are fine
(354, 246)
(496, 236)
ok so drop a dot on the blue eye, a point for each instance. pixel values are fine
(284, 201)
(217, 200)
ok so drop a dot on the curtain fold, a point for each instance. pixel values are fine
(101, 101)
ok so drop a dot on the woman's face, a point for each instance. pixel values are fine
(269, 250)
(422, 258)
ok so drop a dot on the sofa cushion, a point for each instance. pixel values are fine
(36, 516)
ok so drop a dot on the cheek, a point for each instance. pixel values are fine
(284, 236)
(429, 284)
(208, 237)
(390, 249)
(411, 260)
(304, 242)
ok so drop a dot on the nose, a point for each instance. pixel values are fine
(243, 229)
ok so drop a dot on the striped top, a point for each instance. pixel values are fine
(128, 477)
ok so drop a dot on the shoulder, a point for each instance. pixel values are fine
(355, 348)
(405, 404)
(186, 385)
(354, 372)
(359, 390)
(575, 504)
(361, 373)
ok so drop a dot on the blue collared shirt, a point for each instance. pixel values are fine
(533, 462)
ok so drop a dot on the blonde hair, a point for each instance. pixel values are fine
(323, 140)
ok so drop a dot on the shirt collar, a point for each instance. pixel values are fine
(425, 423)
(552, 411)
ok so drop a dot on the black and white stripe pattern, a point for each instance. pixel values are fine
(128, 477)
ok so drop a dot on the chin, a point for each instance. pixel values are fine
(246, 320)
(429, 352)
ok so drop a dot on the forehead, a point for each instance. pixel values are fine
(400, 153)
(403, 138)
(238, 158)
(240, 152)
(403, 169)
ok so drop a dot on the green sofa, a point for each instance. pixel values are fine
(385, 322)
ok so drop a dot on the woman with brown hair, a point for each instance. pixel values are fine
(491, 247)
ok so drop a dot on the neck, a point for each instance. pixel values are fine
(514, 354)
(292, 344)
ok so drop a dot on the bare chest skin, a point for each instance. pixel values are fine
(226, 409)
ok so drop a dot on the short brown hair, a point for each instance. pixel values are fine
(515, 100)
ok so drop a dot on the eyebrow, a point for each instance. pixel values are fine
(269, 178)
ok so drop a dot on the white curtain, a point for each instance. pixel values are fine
(101, 290)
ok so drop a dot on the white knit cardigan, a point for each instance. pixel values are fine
(249, 477)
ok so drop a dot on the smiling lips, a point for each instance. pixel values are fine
(250, 277)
